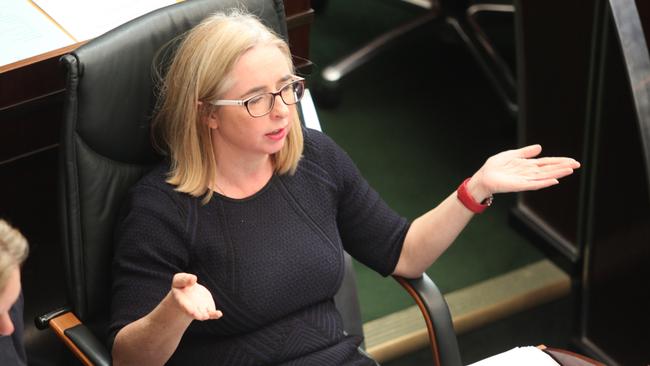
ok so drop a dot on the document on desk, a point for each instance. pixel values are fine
(529, 356)
(25, 32)
(86, 19)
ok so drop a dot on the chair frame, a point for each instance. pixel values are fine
(78, 325)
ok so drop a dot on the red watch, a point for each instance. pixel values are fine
(469, 202)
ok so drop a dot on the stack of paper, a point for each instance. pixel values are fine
(25, 32)
(34, 27)
(86, 19)
(529, 356)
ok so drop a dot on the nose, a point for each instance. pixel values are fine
(280, 109)
(6, 325)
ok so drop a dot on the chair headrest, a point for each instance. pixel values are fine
(115, 76)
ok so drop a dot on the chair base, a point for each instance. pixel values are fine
(464, 25)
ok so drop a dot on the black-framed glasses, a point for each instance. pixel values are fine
(261, 104)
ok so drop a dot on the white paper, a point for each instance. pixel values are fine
(86, 19)
(529, 356)
(26, 32)
(309, 115)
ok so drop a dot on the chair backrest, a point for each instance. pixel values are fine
(106, 143)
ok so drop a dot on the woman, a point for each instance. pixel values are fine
(259, 210)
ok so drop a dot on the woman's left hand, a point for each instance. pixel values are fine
(519, 170)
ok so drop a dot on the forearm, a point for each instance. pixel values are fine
(430, 235)
(509, 171)
(152, 339)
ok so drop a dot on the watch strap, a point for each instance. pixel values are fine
(468, 201)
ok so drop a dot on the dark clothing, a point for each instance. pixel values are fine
(12, 350)
(272, 261)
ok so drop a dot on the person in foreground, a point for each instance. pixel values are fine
(13, 251)
(231, 250)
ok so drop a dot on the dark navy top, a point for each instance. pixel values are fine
(272, 261)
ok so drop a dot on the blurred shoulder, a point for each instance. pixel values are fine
(318, 145)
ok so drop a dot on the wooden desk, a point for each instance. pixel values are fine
(31, 103)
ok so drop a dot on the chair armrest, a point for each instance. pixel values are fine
(568, 358)
(437, 317)
(76, 336)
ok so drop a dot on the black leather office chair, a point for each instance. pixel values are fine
(106, 148)
(461, 16)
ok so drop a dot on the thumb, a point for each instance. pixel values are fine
(529, 151)
(181, 280)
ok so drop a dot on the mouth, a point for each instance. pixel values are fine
(277, 134)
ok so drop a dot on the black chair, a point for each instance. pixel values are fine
(106, 148)
(462, 18)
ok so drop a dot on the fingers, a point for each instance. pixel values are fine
(206, 313)
(194, 299)
(181, 280)
(215, 314)
(568, 162)
(546, 176)
(519, 170)
(550, 168)
(547, 172)
(531, 151)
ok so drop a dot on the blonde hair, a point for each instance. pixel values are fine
(13, 251)
(200, 71)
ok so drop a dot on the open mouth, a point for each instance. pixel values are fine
(277, 134)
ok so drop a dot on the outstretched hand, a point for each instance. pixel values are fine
(519, 170)
(194, 299)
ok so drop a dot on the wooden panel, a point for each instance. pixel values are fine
(296, 6)
(31, 81)
(30, 127)
(576, 99)
(553, 69)
(300, 16)
(616, 298)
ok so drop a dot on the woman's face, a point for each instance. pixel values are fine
(8, 297)
(261, 69)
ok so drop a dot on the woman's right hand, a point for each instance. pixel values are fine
(192, 298)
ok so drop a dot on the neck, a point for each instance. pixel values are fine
(239, 176)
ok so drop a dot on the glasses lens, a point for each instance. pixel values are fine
(260, 105)
(293, 92)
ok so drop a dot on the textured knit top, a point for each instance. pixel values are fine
(272, 261)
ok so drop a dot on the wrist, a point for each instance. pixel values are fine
(466, 194)
(477, 189)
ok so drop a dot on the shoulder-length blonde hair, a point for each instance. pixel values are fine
(13, 251)
(200, 71)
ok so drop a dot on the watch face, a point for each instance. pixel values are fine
(487, 201)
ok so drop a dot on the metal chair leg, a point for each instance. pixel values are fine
(349, 63)
(465, 25)
(480, 46)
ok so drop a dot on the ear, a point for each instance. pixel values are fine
(211, 119)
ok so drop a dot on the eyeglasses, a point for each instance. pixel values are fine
(261, 104)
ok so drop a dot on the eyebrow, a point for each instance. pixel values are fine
(260, 89)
